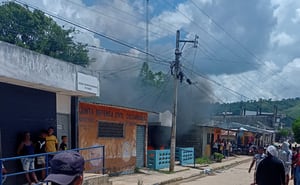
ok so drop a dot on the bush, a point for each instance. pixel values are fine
(296, 130)
(218, 156)
(203, 160)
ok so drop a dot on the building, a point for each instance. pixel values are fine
(37, 91)
(159, 130)
(201, 136)
(123, 132)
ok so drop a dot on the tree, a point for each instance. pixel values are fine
(150, 78)
(36, 31)
(284, 132)
(296, 130)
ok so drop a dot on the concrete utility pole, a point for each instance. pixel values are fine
(178, 75)
(147, 31)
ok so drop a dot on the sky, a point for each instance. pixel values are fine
(247, 50)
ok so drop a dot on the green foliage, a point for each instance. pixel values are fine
(290, 107)
(284, 132)
(293, 111)
(296, 130)
(203, 160)
(218, 156)
(151, 78)
(36, 31)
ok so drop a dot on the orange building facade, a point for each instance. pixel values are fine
(121, 130)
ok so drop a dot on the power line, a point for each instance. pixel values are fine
(95, 32)
(233, 38)
(210, 35)
(205, 31)
(207, 93)
(244, 81)
(126, 55)
(218, 84)
(226, 32)
(162, 91)
(123, 21)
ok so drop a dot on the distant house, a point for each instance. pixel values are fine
(201, 136)
(254, 118)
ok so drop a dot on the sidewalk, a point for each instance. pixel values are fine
(150, 177)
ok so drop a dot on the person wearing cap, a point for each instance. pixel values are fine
(270, 170)
(66, 169)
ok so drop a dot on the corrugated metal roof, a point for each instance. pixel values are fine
(234, 126)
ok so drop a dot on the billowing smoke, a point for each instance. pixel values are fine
(122, 85)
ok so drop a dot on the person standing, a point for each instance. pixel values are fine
(297, 168)
(285, 155)
(40, 147)
(256, 159)
(294, 163)
(215, 147)
(270, 170)
(66, 169)
(230, 148)
(64, 141)
(26, 148)
(51, 142)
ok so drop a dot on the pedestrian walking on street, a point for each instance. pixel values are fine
(66, 169)
(256, 159)
(270, 170)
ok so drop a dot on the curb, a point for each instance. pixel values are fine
(202, 173)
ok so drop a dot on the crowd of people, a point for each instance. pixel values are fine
(222, 146)
(46, 143)
(276, 165)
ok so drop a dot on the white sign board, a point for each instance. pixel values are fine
(166, 118)
(88, 83)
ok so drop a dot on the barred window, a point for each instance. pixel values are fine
(108, 129)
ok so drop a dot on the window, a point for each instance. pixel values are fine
(107, 129)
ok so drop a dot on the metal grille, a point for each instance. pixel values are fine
(107, 129)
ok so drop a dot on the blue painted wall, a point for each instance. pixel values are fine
(23, 109)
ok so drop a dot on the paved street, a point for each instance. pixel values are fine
(235, 176)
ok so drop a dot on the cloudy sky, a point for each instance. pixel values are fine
(247, 49)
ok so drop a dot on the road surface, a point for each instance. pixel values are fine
(237, 175)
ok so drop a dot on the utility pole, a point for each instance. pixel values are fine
(147, 31)
(178, 75)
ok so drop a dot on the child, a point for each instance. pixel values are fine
(64, 141)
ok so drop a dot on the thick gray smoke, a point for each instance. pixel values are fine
(121, 85)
